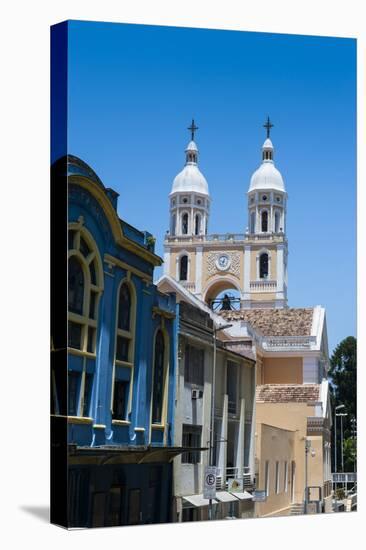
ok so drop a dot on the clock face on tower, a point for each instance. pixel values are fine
(223, 262)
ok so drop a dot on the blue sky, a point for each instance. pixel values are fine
(133, 90)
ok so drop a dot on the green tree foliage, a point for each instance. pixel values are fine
(343, 385)
(349, 450)
(343, 377)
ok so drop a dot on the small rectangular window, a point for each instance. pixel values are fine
(277, 477)
(87, 393)
(84, 249)
(93, 275)
(92, 303)
(194, 365)
(266, 477)
(232, 386)
(191, 438)
(120, 399)
(122, 348)
(285, 476)
(91, 336)
(74, 335)
(74, 379)
(71, 239)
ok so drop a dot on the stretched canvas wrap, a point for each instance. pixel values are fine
(191, 377)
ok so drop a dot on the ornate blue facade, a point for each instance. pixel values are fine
(121, 365)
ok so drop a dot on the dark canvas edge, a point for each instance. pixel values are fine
(58, 242)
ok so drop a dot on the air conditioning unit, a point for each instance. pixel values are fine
(197, 394)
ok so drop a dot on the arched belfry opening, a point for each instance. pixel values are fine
(264, 220)
(183, 268)
(263, 265)
(223, 295)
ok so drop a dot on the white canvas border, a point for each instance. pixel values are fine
(25, 261)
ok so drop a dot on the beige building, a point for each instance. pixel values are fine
(292, 417)
(292, 404)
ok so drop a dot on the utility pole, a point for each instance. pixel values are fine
(342, 455)
(215, 331)
(307, 449)
(335, 440)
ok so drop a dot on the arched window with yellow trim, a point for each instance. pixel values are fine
(85, 286)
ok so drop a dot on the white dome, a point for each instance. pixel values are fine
(267, 177)
(190, 179)
(191, 146)
(267, 144)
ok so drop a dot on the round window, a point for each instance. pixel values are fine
(185, 200)
(264, 198)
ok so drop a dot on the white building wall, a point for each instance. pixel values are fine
(310, 370)
(188, 478)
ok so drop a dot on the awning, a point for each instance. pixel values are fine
(198, 500)
(243, 496)
(224, 496)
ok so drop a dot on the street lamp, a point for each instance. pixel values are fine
(215, 331)
(354, 439)
(308, 450)
(342, 415)
(335, 435)
(342, 462)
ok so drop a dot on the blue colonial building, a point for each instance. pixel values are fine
(120, 365)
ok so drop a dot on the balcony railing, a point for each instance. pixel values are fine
(215, 237)
(226, 237)
(237, 473)
(265, 236)
(287, 343)
(223, 237)
(347, 477)
(315, 424)
(263, 286)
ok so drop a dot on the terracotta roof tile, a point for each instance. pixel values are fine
(275, 322)
(287, 393)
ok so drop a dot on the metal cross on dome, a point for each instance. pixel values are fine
(192, 128)
(268, 125)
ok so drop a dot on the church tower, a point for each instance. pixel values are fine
(254, 263)
(189, 215)
(267, 244)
